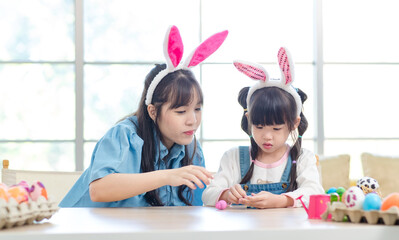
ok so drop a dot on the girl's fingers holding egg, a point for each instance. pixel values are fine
(240, 191)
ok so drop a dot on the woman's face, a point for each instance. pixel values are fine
(179, 125)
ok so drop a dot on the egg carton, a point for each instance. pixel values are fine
(339, 213)
(13, 214)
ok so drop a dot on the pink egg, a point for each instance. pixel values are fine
(25, 185)
(221, 204)
(37, 190)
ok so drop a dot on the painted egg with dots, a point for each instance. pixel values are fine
(368, 184)
(354, 198)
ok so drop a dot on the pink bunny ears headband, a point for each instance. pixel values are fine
(257, 72)
(173, 51)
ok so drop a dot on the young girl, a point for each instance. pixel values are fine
(152, 158)
(269, 173)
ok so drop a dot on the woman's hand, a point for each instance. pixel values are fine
(267, 200)
(188, 175)
(233, 194)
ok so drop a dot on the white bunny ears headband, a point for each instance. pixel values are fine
(257, 72)
(173, 51)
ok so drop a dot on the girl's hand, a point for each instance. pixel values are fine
(267, 200)
(234, 194)
(188, 175)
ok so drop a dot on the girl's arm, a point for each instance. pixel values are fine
(308, 178)
(120, 186)
(227, 176)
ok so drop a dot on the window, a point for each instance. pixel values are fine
(70, 69)
(360, 67)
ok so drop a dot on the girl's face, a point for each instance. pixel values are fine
(271, 139)
(179, 125)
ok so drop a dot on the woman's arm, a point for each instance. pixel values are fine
(120, 186)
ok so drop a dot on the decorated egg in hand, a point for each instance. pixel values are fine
(354, 198)
(372, 202)
(38, 190)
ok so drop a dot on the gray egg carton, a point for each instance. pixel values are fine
(339, 212)
(13, 214)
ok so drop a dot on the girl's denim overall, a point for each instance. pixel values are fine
(275, 188)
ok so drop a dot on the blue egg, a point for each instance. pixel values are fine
(331, 190)
(372, 202)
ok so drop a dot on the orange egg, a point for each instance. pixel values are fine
(390, 201)
(19, 193)
(3, 193)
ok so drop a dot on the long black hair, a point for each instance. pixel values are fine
(176, 88)
(273, 106)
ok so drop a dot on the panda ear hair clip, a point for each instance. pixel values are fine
(258, 73)
(173, 52)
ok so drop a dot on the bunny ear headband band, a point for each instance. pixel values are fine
(258, 73)
(173, 51)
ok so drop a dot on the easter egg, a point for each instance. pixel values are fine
(19, 193)
(221, 204)
(25, 185)
(354, 198)
(331, 190)
(3, 192)
(341, 191)
(390, 201)
(334, 197)
(37, 190)
(367, 184)
(372, 202)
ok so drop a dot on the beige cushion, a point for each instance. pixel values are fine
(383, 169)
(335, 171)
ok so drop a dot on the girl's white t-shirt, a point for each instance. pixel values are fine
(269, 173)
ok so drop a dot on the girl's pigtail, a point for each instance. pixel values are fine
(242, 100)
(254, 152)
(296, 148)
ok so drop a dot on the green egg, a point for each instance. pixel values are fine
(341, 190)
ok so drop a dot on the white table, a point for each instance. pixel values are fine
(188, 223)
